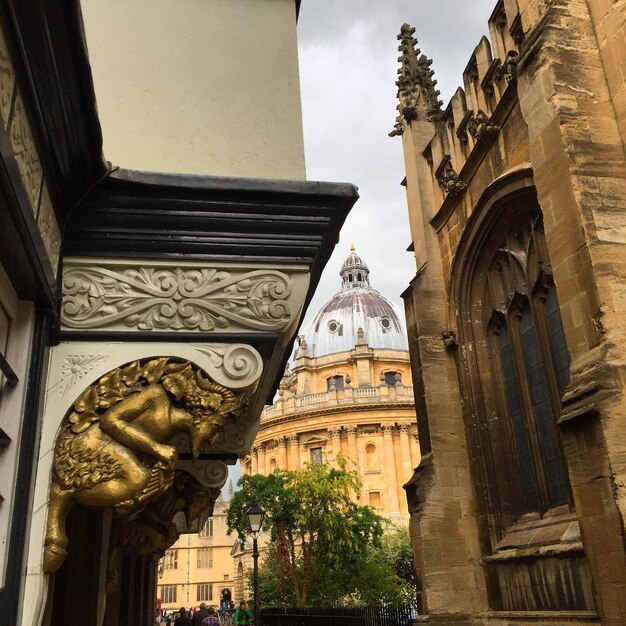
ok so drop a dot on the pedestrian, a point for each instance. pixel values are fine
(183, 618)
(199, 615)
(212, 619)
(243, 615)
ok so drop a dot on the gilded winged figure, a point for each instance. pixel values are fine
(113, 449)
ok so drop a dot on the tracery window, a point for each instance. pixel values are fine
(168, 594)
(204, 592)
(170, 559)
(316, 455)
(205, 558)
(207, 529)
(392, 378)
(529, 359)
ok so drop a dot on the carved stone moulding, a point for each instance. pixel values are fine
(131, 295)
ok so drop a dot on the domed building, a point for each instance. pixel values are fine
(347, 389)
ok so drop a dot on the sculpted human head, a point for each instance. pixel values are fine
(208, 405)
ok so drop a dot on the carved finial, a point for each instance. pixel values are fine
(352, 248)
(302, 346)
(416, 85)
(360, 336)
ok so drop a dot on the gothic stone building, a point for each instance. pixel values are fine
(516, 318)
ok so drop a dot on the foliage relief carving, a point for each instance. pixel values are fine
(200, 299)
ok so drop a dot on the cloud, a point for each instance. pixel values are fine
(348, 63)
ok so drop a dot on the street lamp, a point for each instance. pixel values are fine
(254, 521)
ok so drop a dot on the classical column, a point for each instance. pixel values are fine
(294, 452)
(254, 455)
(282, 452)
(353, 453)
(335, 443)
(353, 459)
(261, 459)
(390, 471)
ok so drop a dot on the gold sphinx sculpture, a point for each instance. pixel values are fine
(112, 449)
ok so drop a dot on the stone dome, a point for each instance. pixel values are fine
(357, 306)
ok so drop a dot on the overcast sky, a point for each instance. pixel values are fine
(348, 62)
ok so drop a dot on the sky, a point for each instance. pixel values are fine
(348, 55)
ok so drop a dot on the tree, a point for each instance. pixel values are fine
(317, 535)
(395, 552)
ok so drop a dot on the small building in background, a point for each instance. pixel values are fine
(347, 391)
(199, 567)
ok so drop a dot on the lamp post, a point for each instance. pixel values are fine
(254, 520)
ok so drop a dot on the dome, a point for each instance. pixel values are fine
(357, 306)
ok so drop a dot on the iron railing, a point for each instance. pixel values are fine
(339, 616)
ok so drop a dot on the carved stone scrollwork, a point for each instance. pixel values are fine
(481, 127)
(49, 228)
(293, 439)
(387, 428)
(335, 432)
(351, 430)
(25, 153)
(113, 450)
(211, 474)
(161, 298)
(404, 427)
(75, 367)
(281, 442)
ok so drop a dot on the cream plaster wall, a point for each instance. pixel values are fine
(187, 576)
(198, 86)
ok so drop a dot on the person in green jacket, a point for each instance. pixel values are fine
(242, 616)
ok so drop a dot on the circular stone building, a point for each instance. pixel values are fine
(347, 389)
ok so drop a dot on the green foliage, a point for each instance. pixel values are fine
(396, 554)
(320, 541)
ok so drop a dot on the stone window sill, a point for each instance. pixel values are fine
(558, 617)
(556, 532)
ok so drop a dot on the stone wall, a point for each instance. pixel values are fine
(537, 130)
